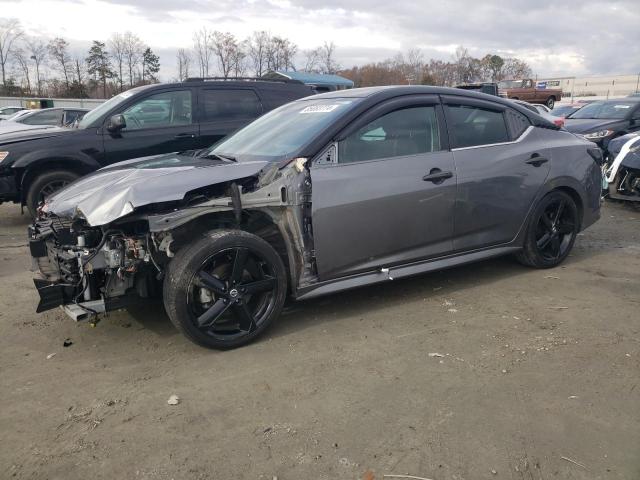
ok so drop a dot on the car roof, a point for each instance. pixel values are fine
(377, 94)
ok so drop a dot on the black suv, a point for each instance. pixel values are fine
(143, 121)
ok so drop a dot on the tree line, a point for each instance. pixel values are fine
(31, 66)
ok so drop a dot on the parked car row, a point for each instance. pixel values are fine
(320, 194)
(143, 121)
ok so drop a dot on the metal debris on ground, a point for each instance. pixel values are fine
(50, 356)
(574, 462)
(436, 355)
(173, 400)
(67, 342)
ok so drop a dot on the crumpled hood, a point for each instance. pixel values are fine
(588, 125)
(115, 191)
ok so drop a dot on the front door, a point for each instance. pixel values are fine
(159, 123)
(502, 162)
(388, 197)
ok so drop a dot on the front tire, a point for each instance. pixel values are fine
(46, 184)
(551, 232)
(225, 289)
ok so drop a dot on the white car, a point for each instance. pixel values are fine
(6, 112)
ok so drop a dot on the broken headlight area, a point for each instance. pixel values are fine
(92, 270)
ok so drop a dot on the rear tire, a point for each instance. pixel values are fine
(551, 232)
(225, 289)
(44, 185)
(550, 103)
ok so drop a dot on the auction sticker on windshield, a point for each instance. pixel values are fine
(319, 108)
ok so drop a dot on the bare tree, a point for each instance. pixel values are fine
(280, 54)
(38, 53)
(312, 60)
(118, 51)
(184, 60)
(10, 31)
(22, 61)
(202, 43)
(227, 51)
(257, 51)
(327, 59)
(133, 51)
(58, 50)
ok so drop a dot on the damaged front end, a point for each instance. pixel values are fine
(97, 260)
(623, 175)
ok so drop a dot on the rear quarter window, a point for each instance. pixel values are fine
(517, 123)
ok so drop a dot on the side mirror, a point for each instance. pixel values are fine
(116, 123)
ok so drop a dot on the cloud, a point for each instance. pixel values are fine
(589, 37)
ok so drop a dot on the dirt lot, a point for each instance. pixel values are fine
(486, 371)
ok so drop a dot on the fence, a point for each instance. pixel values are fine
(57, 102)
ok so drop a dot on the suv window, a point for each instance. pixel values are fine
(165, 109)
(226, 104)
(473, 126)
(70, 116)
(409, 131)
(51, 117)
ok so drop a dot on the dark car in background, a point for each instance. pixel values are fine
(143, 121)
(564, 111)
(326, 193)
(61, 117)
(604, 120)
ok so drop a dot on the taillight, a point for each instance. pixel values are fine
(559, 122)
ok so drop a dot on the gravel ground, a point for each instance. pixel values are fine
(488, 371)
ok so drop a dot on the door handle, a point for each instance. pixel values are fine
(437, 176)
(185, 135)
(536, 160)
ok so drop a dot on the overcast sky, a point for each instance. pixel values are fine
(555, 37)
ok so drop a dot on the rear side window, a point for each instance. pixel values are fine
(517, 122)
(227, 104)
(52, 117)
(473, 126)
(410, 131)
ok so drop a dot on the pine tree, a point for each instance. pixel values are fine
(150, 65)
(99, 65)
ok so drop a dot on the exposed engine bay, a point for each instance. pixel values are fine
(95, 269)
(623, 173)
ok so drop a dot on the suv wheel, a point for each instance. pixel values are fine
(223, 290)
(550, 103)
(552, 230)
(44, 185)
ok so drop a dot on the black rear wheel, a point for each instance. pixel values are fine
(552, 231)
(550, 103)
(224, 290)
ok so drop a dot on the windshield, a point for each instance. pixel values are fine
(604, 110)
(101, 109)
(282, 132)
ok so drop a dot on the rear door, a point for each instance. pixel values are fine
(387, 197)
(158, 123)
(222, 111)
(501, 161)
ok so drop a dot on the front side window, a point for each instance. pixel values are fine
(474, 126)
(226, 104)
(165, 109)
(410, 131)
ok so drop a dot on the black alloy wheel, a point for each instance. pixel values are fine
(224, 290)
(232, 293)
(552, 231)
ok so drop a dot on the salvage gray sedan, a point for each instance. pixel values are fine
(327, 193)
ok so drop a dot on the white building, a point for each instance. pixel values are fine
(596, 87)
